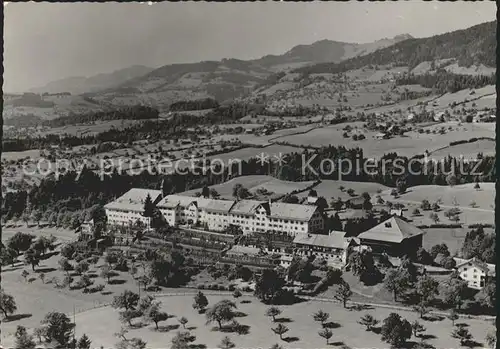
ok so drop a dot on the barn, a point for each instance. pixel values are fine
(394, 237)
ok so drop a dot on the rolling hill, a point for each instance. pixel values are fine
(80, 84)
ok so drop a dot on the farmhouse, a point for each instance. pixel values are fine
(129, 207)
(334, 248)
(355, 202)
(475, 272)
(382, 136)
(394, 236)
(250, 215)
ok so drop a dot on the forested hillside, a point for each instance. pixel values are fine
(474, 45)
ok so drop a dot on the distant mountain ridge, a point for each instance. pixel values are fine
(327, 51)
(81, 84)
(472, 46)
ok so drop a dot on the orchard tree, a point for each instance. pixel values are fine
(455, 291)
(126, 316)
(462, 334)
(221, 312)
(20, 242)
(396, 330)
(368, 321)
(237, 294)
(32, 257)
(321, 316)
(183, 321)
(343, 293)
(417, 328)
(280, 330)
(58, 327)
(82, 267)
(491, 339)
(426, 289)
(127, 300)
(154, 314)
(453, 316)
(226, 343)
(200, 302)
(326, 333)
(23, 339)
(273, 312)
(397, 281)
(106, 272)
(7, 304)
(269, 285)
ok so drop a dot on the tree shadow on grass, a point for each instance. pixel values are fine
(376, 330)
(337, 344)
(239, 314)
(197, 346)
(16, 317)
(45, 270)
(106, 293)
(291, 339)
(167, 328)
(246, 301)
(433, 318)
(191, 328)
(117, 282)
(427, 336)
(473, 344)
(359, 307)
(283, 320)
(331, 325)
(462, 324)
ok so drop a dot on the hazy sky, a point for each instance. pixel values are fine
(46, 41)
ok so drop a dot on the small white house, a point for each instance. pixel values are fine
(475, 272)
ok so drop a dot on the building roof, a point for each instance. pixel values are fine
(356, 200)
(214, 205)
(486, 267)
(334, 240)
(134, 199)
(246, 207)
(292, 211)
(393, 229)
(171, 201)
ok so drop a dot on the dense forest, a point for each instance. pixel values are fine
(136, 112)
(442, 81)
(199, 104)
(474, 45)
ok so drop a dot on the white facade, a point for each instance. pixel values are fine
(125, 217)
(129, 208)
(251, 216)
(475, 273)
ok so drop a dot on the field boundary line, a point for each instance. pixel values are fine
(311, 298)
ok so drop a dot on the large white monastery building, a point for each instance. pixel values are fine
(216, 215)
(250, 215)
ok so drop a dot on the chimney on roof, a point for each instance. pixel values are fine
(388, 224)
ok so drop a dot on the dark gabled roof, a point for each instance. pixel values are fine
(393, 229)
